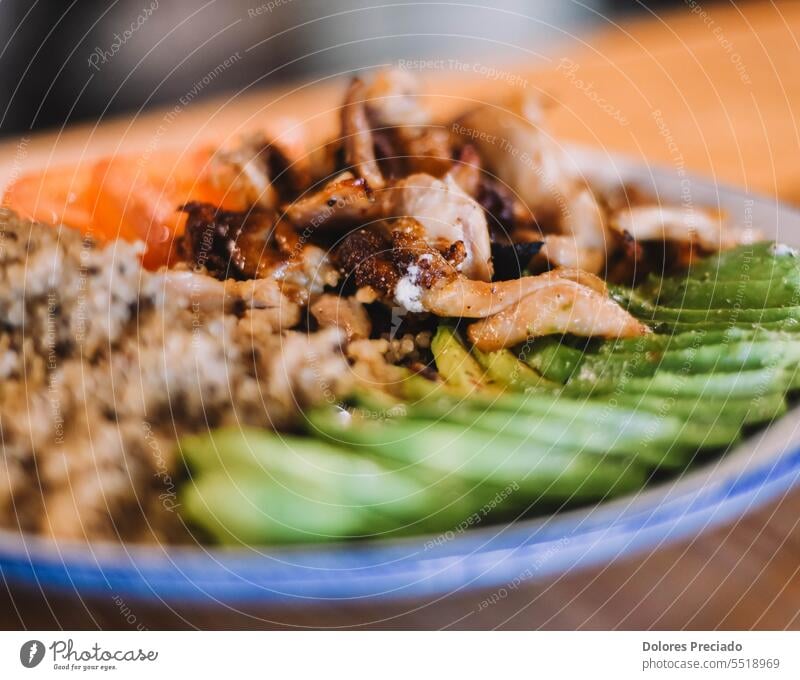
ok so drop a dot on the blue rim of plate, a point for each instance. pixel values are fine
(501, 556)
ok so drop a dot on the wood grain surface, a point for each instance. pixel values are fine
(715, 87)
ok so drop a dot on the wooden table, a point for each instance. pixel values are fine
(716, 88)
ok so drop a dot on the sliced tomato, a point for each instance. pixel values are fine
(141, 199)
(55, 196)
(128, 197)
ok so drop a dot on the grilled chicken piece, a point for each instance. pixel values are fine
(478, 299)
(366, 257)
(515, 146)
(392, 99)
(359, 147)
(447, 215)
(344, 201)
(564, 251)
(250, 244)
(203, 293)
(385, 116)
(228, 244)
(443, 213)
(667, 223)
(407, 271)
(466, 171)
(560, 307)
(393, 106)
(347, 314)
(260, 168)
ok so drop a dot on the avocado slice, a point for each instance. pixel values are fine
(785, 326)
(736, 411)
(781, 291)
(724, 358)
(504, 368)
(765, 256)
(552, 358)
(319, 472)
(772, 380)
(542, 472)
(649, 312)
(453, 362)
(692, 338)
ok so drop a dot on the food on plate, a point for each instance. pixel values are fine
(417, 322)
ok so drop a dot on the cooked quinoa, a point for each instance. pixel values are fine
(101, 371)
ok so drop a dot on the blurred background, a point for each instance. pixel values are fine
(84, 60)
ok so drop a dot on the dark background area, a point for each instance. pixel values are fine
(64, 62)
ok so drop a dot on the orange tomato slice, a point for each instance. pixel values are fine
(139, 199)
(128, 197)
(54, 196)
